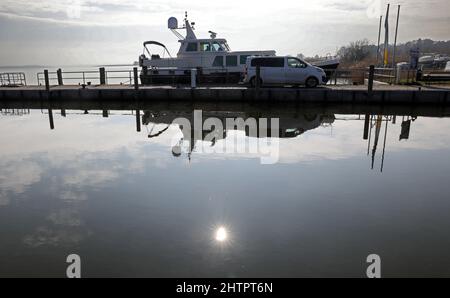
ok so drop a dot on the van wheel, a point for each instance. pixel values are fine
(311, 82)
(253, 82)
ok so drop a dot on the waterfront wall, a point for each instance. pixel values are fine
(274, 95)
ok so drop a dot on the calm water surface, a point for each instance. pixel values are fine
(134, 205)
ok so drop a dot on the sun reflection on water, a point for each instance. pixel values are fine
(221, 234)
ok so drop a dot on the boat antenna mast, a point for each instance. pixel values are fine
(189, 27)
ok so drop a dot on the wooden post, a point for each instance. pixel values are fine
(136, 80)
(47, 81)
(105, 114)
(258, 77)
(371, 76)
(60, 78)
(102, 76)
(63, 113)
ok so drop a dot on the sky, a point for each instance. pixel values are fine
(93, 32)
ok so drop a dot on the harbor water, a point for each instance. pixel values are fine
(140, 198)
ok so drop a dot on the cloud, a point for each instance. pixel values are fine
(47, 236)
(98, 152)
(65, 217)
(351, 5)
(16, 176)
(111, 31)
(87, 13)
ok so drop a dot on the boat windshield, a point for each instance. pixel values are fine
(219, 46)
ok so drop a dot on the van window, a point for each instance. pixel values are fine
(218, 61)
(243, 59)
(268, 62)
(231, 60)
(296, 63)
(205, 47)
(191, 47)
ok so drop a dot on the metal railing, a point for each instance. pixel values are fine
(358, 76)
(14, 112)
(385, 75)
(347, 76)
(90, 77)
(13, 79)
(109, 75)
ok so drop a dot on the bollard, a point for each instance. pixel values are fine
(47, 81)
(258, 77)
(194, 78)
(105, 114)
(60, 78)
(136, 81)
(102, 76)
(371, 77)
(398, 75)
(63, 113)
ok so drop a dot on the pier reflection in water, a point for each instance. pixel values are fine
(158, 122)
(136, 195)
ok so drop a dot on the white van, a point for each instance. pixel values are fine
(283, 71)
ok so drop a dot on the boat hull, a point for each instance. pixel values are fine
(185, 78)
(329, 69)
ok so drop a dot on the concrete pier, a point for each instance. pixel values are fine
(335, 94)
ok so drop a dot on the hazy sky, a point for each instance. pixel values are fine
(71, 32)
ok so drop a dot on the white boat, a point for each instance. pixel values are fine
(212, 57)
(327, 63)
(435, 61)
(426, 59)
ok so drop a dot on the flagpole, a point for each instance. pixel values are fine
(395, 41)
(386, 38)
(379, 37)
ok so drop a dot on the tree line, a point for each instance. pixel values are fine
(361, 53)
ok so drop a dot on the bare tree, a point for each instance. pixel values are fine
(355, 52)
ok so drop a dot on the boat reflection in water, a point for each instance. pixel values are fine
(225, 122)
(290, 125)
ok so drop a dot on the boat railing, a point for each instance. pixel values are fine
(89, 77)
(12, 79)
